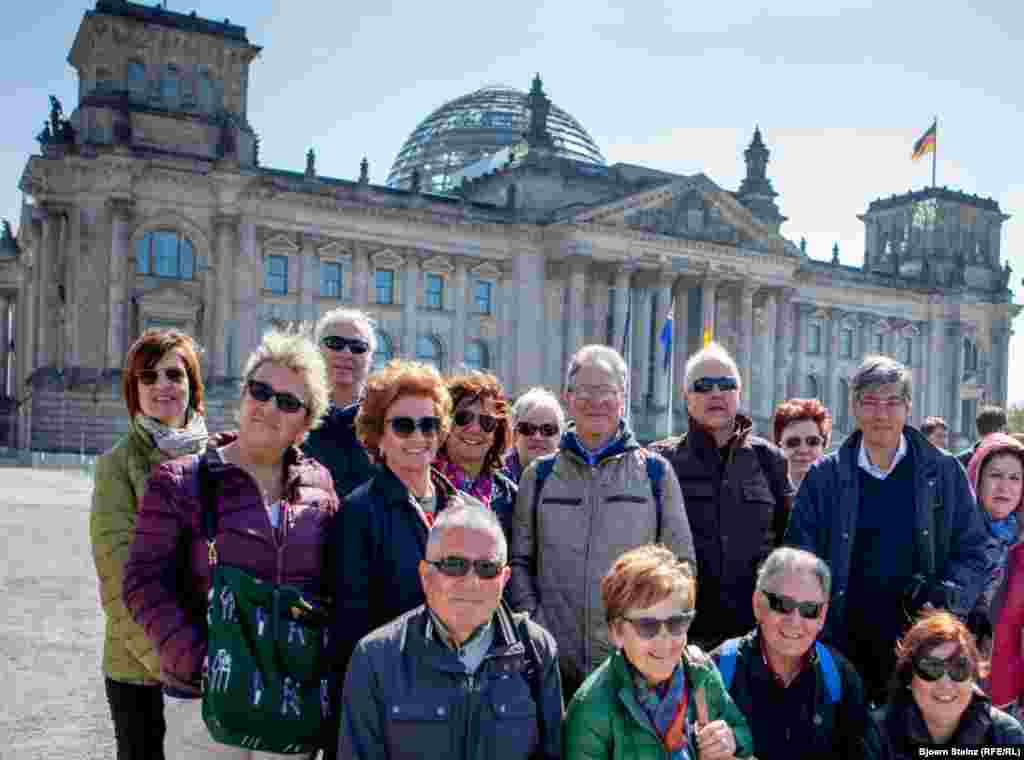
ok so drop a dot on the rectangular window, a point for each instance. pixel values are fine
(846, 344)
(814, 340)
(435, 292)
(879, 343)
(482, 297)
(385, 283)
(907, 352)
(330, 279)
(275, 278)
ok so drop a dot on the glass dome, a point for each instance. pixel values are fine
(472, 127)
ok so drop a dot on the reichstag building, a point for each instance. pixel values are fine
(502, 240)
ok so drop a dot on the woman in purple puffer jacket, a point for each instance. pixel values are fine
(275, 509)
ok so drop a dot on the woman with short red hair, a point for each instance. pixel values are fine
(802, 428)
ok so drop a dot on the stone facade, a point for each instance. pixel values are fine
(148, 206)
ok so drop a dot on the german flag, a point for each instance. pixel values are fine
(926, 143)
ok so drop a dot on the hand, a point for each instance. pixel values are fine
(715, 741)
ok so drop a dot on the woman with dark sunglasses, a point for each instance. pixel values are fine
(275, 507)
(802, 428)
(163, 390)
(381, 536)
(934, 695)
(471, 454)
(537, 424)
(654, 697)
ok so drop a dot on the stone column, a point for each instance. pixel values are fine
(999, 369)
(459, 287)
(745, 339)
(831, 344)
(622, 284)
(242, 333)
(577, 292)
(784, 343)
(226, 236)
(5, 342)
(640, 358)
(529, 344)
(797, 387)
(45, 286)
(410, 300)
(680, 339)
(120, 259)
(661, 394)
(708, 288)
(955, 341)
(309, 281)
(764, 377)
(360, 276)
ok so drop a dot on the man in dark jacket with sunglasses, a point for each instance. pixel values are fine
(737, 493)
(461, 677)
(802, 698)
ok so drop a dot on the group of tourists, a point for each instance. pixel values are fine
(407, 565)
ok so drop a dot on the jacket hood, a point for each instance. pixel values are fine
(995, 443)
(621, 442)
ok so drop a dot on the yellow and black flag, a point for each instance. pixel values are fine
(926, 143)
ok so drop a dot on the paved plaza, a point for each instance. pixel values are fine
(51, 629)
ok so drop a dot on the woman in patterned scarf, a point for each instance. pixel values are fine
(471, 456)
(654, 697)
(163, 390)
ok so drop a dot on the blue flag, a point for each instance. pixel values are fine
(666, 338)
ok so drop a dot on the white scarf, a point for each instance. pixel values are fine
(176, 442)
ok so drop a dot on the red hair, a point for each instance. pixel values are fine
(146, 353)
(797, 409)
(933, 629)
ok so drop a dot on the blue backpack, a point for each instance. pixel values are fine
(655, 473)
(827, 664)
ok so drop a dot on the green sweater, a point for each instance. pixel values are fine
(121, 474)
(605, 721)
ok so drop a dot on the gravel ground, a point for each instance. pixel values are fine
(51, 629)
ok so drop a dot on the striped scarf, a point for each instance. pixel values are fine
(176, 442)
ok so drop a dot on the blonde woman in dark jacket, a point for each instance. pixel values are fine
(163, 389)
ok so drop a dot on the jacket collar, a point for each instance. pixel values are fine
(701, 441)
(905, 722)
(621, 442)
(506, 644)
(925, 456)
(296, 464)
(388, 489)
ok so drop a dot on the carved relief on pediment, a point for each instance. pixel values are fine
(686, 215)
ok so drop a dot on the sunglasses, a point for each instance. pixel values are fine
(784, 605)
(812, 440)
(263, 392)
(337, 343)
(464, 418)
(933, 668)
(528, 429)
(649, 627)
(708, 384)
(458, 567)
(404, 427)
(173, 374)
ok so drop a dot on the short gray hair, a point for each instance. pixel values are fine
(298, 353)
(591, 355)
(468, 516)
(786, 559)
(352, 316)
(878, 370)
(533, 398)
(711, 352)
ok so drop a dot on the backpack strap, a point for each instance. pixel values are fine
(727, 661)
(655, 474)
(545, 466)
(208, 503)
(829, 673)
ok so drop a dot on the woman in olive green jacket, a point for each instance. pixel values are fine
(654, 697)
(163, 390)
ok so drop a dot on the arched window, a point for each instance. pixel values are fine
(170, 84)
(385, 351)
(165, 253)
(476, 356)
(428, 350)
(812, 387)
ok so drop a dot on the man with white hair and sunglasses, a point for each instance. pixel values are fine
(461, 676)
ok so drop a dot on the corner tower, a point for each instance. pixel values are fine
(756, 191)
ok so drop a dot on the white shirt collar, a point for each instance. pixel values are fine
(865, 463)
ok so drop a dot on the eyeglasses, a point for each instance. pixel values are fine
(650, 627)
(812, 441)
(784, 605)
(464, 418)
(458, 567)
(885, 404)
(708, 384)
(173, 374)
(263, 392)
(403, 427)
(528, 429)
(932, 668)
(337, 343)
(595, 392)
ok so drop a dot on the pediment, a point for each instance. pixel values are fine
(438, 265)
(281, 242)
(692, 208)
(386, 259)
(335, 250)
(167, 295)
(486, 271)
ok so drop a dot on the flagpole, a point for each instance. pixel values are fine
(671, 371)
(935, 150)
(628, 345)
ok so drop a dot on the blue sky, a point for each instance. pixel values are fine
(841, 90)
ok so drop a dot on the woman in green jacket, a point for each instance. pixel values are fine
(654, 697)
(163, 390)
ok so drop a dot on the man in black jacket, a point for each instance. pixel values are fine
(897, 522)
(803, 700)
(460, 677)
